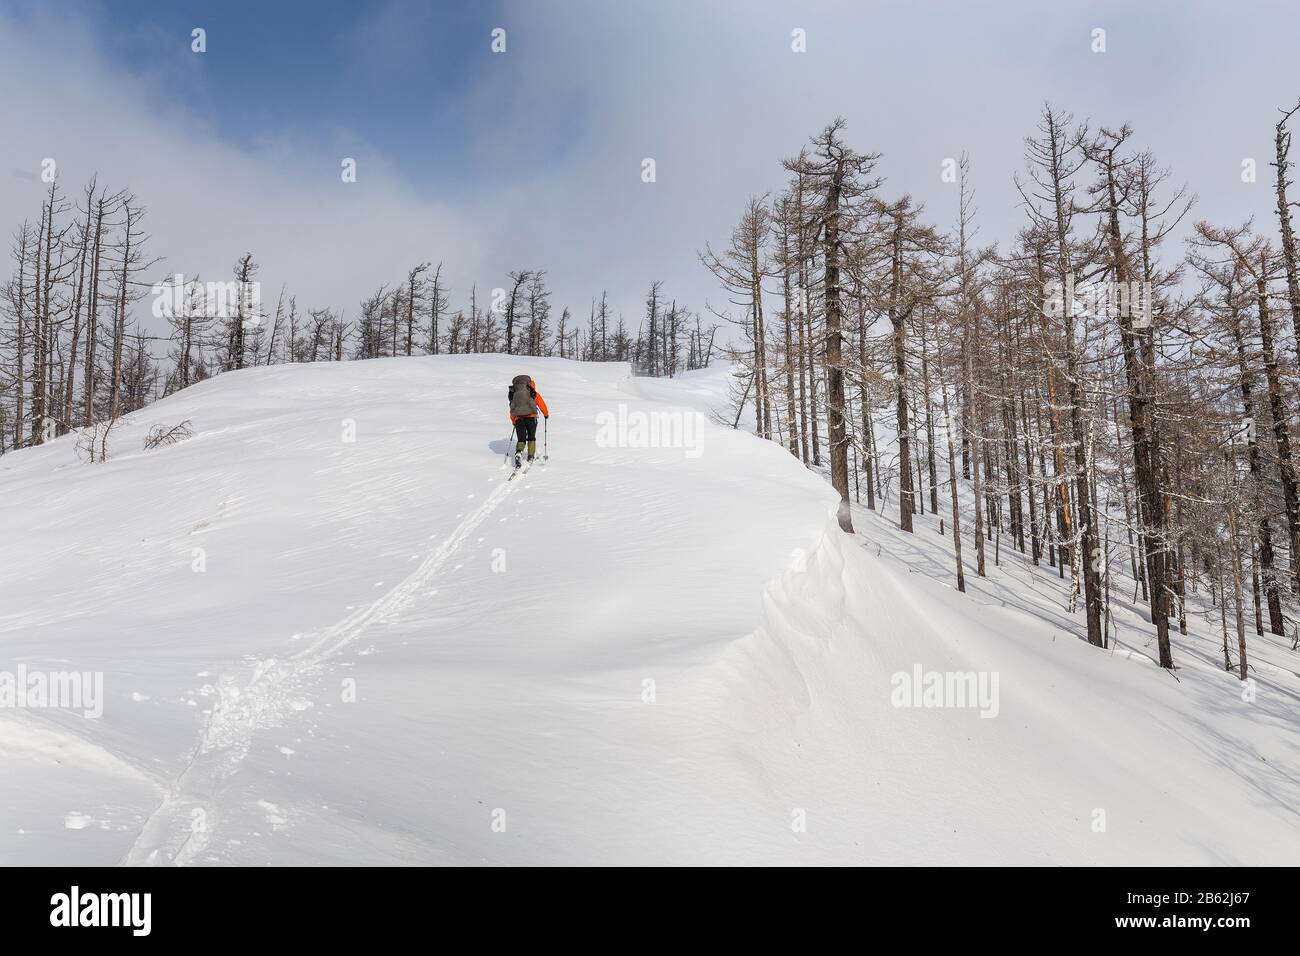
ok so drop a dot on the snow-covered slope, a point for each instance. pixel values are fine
(331, 632)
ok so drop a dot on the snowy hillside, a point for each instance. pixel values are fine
(330, 631)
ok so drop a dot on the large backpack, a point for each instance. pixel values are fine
(522, 397)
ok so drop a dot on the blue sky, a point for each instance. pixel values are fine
(532, 158)
(395, 73)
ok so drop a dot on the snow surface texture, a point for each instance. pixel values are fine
(331, 632)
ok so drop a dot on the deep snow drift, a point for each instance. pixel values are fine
(329, 631)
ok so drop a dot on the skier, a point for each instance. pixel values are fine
(525, 402)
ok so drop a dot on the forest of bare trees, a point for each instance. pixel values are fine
(91, 330)
(1114, 387)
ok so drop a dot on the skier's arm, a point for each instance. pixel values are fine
(541, 403)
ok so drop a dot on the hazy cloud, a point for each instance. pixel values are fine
(554, 131)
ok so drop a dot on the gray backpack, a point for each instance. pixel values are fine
(522, 395)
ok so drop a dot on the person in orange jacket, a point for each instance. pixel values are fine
(525, 403)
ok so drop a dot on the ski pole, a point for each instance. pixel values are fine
(506, 457)
(546, 428)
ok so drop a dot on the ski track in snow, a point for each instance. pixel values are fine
(180, 827)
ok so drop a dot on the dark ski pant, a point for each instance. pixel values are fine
(526, 431)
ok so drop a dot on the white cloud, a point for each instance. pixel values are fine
(560, 125)
(209, 200)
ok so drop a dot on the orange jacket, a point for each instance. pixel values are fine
(541, 403)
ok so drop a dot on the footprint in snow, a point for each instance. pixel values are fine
(274, 815)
